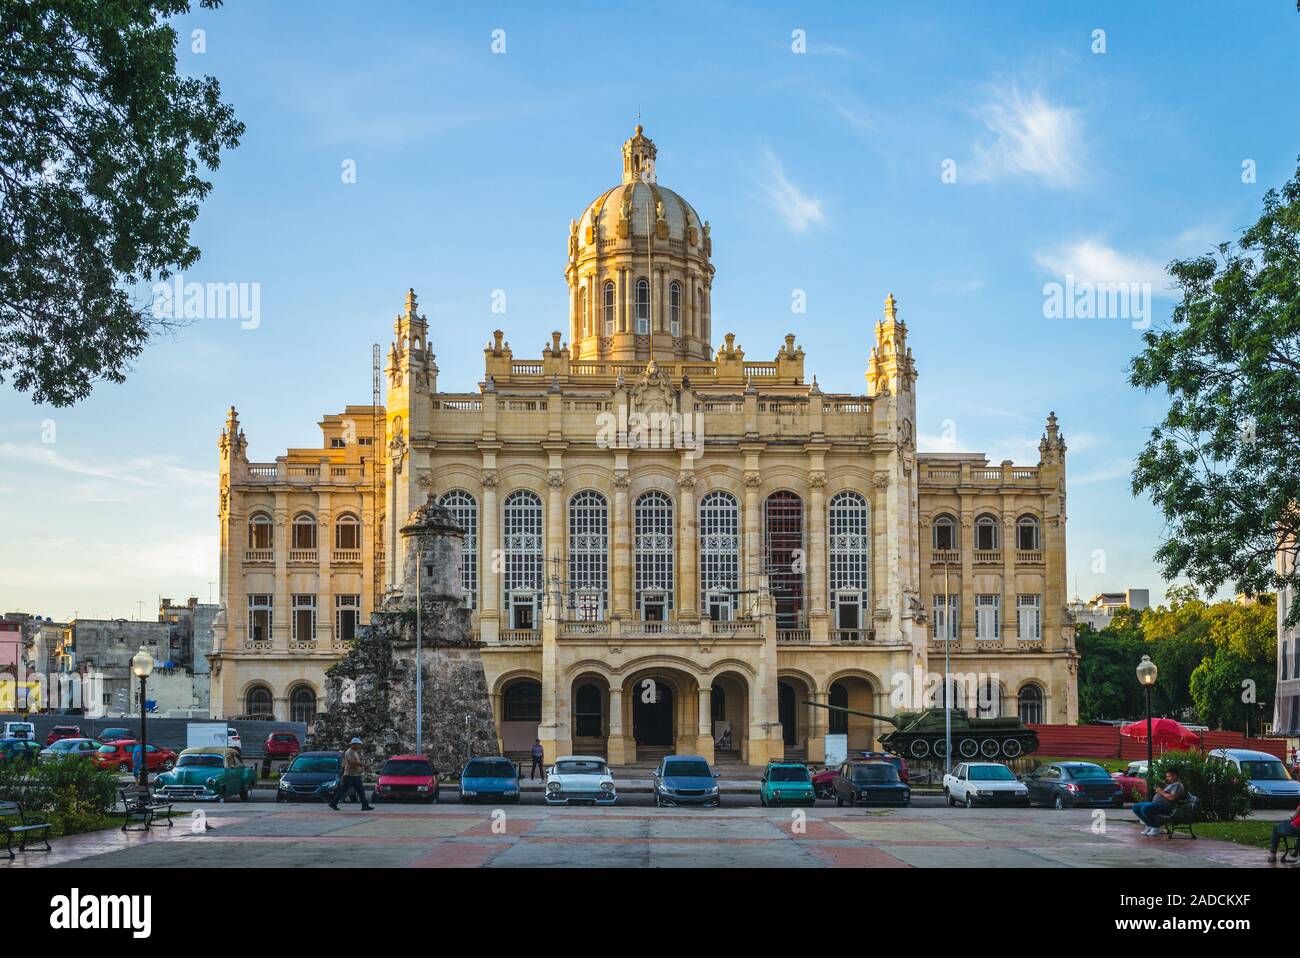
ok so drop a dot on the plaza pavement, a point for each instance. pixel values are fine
(453, 835)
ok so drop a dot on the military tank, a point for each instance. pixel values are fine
(921, 735)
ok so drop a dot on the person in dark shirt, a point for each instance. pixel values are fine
(538, 753)
(1153, 813)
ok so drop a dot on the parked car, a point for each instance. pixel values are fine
(311, 775)
(71, 748)
(786, 783)
(209, 773)
(233, 740)
(870, 782)
(580, 780)
(19, 730)
(119, 755)
(493, 779)
(406, 777)
(824, 781)
(1073, 784)
(1133, 781)
(282, 745)
(19, 750)
(984, 783)
(686, 780)
(110, 735)
(62, 732)
(1266, 777)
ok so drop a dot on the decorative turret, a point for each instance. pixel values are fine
(1051, 448)
(891, 368)
(639, 158)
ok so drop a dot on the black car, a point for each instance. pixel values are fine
(1074, 785)
(312, 775)
(870, 783)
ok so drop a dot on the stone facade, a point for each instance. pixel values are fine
(1286, 710)
(670, 547)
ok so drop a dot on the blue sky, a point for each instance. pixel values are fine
(818, 171)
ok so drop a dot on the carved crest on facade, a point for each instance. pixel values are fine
(654, 392)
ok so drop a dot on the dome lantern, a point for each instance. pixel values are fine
(639, 158)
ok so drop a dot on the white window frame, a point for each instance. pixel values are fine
(1029, 617)
(261, 602)
(345, 604)
(589, 550)
(675, 308)
(298, 602)
(654, 521)
(987, 521)
(642, 319)
(719, 563)
(945, 521)
(1023, 524)
(988, 609)
(522, 525)
(950, 619)
(849, 549)
(609, 305)
(464, 509)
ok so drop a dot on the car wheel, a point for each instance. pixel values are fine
(124, 768)
(243, 793)
(839, 802)
(970, 802)
(952, 802)
(853, 799)
(1059, 803)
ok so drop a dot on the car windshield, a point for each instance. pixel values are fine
(688, 769)
(780, 774)
(116, 733)
(407, 766)
(1273, 771)
(200, 761)
(874, 773)
(107, 749)
(315, 763)
(489, 770)
(1087, 771)
(580, 768)
(991, 773)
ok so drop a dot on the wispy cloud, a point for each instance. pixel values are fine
(145, 472)
(1028, 136)
(1092, 260)
(796, 208)
(859, 121)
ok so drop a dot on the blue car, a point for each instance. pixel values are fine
(686, 780)
(494, 779)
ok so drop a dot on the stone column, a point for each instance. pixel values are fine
(817, 558)
(622, 577)
(324, 580)
(555, 537)
(688, 594)
(704, 740)
(281, 609)
(615, 752)
(490, 526)
(966, 592)
(1010, 617)
(753, 543)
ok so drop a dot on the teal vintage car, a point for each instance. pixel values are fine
(786, 783)
(212, 773)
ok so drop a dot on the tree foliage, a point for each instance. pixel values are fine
(100, 146)
(1221, 464)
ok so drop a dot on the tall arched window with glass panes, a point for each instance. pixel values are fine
(521, 565)
(588, 555)
(849, 563)
(719, 555)
(654, 556)
(464, 510)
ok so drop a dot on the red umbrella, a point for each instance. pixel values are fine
(1165, 732)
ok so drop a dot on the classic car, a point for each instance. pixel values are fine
(686, 780)
(71, 748)
(1133, 781)
(312, 775)
(1073, 784)
(120, 755)
(786, 783)
(489, 779)
(580, 780)
(405, 777)
(19, 750)
(984, 783)
(210, 773)
(824, 781)
(871, 782)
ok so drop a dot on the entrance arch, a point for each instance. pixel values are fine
(521, 713)
(589, 720)
(858, 693)
(652, 715)
(730, 719)
(797, 720)
(660, 708)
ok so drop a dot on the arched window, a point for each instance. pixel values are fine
(785, 557)
(347, 532)
(589, 555)
(302, 704)
(521, 574)
(587, 712)
(1027, 539)
(607, 307)
(654, 556)
(986, 533)
(849, 522)
(464, 510)
(1031, 704)
(838, 722)
(719, 556)
(583, 328)
(642, 306)
(304, 531)
(261, 531)
(675, 308)
(257, 701)
(944, 534)
(522, 702)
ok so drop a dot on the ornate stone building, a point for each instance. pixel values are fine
(668, 546)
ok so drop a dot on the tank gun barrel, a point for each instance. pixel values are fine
(849, 711)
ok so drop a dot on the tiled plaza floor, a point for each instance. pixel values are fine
(527, 836)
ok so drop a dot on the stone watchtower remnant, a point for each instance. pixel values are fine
(372, 691)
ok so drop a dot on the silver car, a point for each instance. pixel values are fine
(70, 748)
(1267, 780)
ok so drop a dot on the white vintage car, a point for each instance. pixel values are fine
(984, 783)
(580, 780)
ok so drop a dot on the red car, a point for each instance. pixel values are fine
(407, 777)
(824, 781)
(62, 732)
(118, 755)
(282, 745)
(1133, 780)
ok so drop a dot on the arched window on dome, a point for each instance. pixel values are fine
(643, 307)
(675, 309)
(583, 327)
(608, 309)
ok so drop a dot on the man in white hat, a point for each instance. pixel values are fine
(354, 767)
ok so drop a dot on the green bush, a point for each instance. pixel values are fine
(1218, 786)
(74, 795)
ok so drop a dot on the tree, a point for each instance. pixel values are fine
(1221, 464)
(1230, 690)
(100, 145)
(1108, 688)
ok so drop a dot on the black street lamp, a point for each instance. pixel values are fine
(142, 666)
(1146, 673)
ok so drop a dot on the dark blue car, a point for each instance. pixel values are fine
(494, 779)
(686, 780)
(312, 775)
(870, 783)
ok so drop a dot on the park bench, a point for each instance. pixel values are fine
(1183, 816)
(143, 808)
(36, 828)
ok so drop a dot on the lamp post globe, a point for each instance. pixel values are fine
(142, 668)
(1146, 676)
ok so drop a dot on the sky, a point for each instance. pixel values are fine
(962, 157)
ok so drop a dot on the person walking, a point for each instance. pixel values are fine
(1283, 829)
(538, 753)
(1161, 806)
(354, 768)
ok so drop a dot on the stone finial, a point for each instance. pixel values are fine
(412, 306)
(891, 308)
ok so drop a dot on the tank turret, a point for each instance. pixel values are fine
(924, 734)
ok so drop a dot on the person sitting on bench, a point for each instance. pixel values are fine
(1283, 829)
(1153, 813)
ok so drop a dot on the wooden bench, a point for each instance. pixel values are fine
(143, 808)
(1183, 816)
(36, 828)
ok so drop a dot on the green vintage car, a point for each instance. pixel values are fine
(786, 783)
(212, 773)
